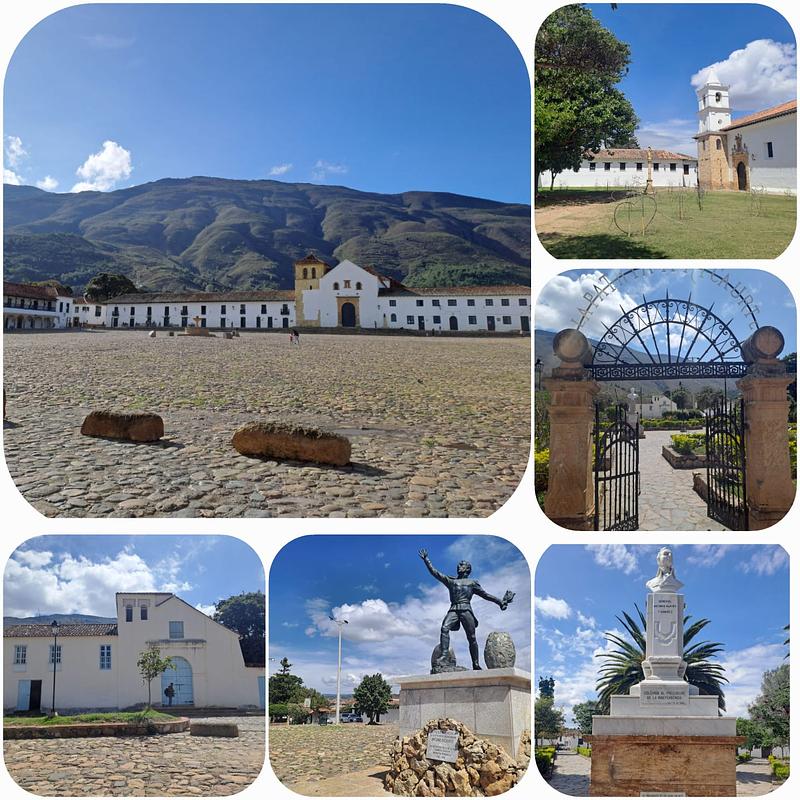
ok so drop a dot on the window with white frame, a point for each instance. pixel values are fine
(20, 654)
(175, 630)
(105, 656)
(54, 650)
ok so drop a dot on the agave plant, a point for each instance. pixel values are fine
(622, 668)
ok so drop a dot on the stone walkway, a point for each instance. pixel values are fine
(571, 776)
(439, 426)
(307, 754)
(667, 501)
(177, 764)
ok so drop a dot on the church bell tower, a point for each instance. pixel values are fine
(714, 115)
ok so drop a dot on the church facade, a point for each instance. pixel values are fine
(344, 296)
(757, 151)
(95, 664)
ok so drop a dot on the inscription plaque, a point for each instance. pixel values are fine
(442, 746)
(664, 695)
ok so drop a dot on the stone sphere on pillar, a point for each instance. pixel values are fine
(763, 344)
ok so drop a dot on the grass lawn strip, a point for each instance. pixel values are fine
(83, 719)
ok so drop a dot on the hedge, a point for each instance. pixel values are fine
(541, 463)
(584, 751)
(780, 769)
(686, 443)
(545, 758)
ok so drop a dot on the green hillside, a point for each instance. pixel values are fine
(209, 233)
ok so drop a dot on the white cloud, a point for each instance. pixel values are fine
(15, 152)
(766, 560)
(11, 177)
(322, 169)
(290, 624)
(102, 170)
(744, 669)
(762, 74)
(707, 555)
(671, 134)
(34, 558)
(614, 556)
(280, 169)
(552, 607)
(208, 610)
(48, 183)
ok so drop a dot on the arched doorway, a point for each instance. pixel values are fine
(348, 315)
(453, 323)
(741, 175)
(180, 676)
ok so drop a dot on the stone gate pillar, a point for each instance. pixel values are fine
(770, 491)
(570, 491)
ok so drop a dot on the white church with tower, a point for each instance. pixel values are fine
(757, 151)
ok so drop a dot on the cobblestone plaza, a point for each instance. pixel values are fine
(439, 426)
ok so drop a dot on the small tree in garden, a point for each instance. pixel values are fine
(151, 665)
(372, 697)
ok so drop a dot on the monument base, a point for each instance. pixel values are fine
(636, 766)
(495, 704)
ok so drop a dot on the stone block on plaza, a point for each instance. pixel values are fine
(499, 651)
(229, 730)
(130, 426)
(445, 758)
(282, 441)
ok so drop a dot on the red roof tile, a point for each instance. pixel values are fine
(66, 629)
(760, 116)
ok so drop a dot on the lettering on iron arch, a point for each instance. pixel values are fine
(628, 372)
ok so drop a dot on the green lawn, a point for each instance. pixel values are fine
(78, 719)
(579, 223)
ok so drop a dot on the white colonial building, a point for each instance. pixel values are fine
(95, 664)
(656, 407)
(344, 296)
(628, 167)
(757, 151)
(29, 307)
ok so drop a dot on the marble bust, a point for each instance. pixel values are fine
(665, 579)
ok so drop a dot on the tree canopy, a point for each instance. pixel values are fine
(548, 721)
(246, 614)
(578, 109)
(547, 686)
(283, 686)
(107, 285)
(583, 713)
(372, 696)
(771, 708)
(151, 664)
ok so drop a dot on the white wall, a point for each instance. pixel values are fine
(778, 173)
(471, 313)
(600, 177)
(217, 314)
(322, 304)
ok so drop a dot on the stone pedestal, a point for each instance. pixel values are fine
(770, 491)
(495, 704)
(570, 491)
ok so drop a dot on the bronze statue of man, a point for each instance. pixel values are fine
(461, 589)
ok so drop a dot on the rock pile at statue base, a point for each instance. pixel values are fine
(482, 768)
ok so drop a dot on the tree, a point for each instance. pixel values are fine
(756, 735)
(372, 697)
(246, 614)
(284, 686)
(578, 109)
(681, 397)
(548, 721)
(547, 686)
(107, 285)
(583, 713)
(151, 665)
(790, 359)
(622, 668)
(771, 707)
(708, 397)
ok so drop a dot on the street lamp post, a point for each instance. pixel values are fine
(538, 368)
(339, 623)
(54, 627)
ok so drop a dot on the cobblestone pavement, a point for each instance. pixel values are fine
(174, 764)
(439, 426)
(304, 754)
(667, 501)
(571, 776)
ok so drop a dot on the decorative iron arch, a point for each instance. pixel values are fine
(668, 338)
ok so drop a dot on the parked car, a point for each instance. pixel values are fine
(350, 716)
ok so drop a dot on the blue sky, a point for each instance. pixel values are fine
(752, 46)
(563, 296)
(393, 606)
(379, 98)
(80, 574)
(743, 590)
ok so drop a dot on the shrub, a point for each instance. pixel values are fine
(541, 463)
(780, 769)
(793, 452)
(741, 758)
(545, 757)
(685, 443)
(585, 751)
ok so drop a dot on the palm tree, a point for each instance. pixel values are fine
(622, 668)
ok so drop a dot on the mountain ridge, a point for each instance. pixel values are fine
(206, 233)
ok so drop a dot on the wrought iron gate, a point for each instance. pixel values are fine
(616, 473)
(726, 465)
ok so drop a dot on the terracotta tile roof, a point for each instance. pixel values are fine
(760, 116)
(255, 296)
(457, 291)
(312, 258)
(26, 290)
(66, 629)
(638, 154)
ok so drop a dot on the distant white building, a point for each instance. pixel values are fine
(627, 167)
(95, 664)
(655, 408)
(29, 307)
(757, 151)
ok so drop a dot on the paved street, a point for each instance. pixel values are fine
(667, 501)
(307, 754)
(571, 776)
(176, 764)
(439, 426)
